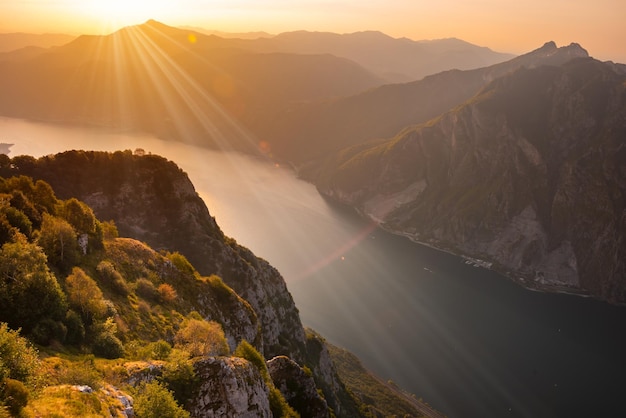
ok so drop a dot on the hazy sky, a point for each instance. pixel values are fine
(503, 25)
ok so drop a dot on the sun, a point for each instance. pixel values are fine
(126, 12)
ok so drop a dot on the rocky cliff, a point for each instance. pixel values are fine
(152, 200)
(529, 176)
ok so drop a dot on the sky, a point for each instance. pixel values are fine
(502, 25)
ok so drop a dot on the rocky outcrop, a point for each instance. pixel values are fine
(297, 387)
(529, 175)
(229, 387)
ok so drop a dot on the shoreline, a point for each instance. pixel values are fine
(525, 283)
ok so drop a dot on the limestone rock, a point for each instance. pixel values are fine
(297, 387)
(230, 387)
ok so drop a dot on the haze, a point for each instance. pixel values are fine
(514, 27)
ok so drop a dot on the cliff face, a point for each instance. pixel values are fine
(152, 200)
(529, 175)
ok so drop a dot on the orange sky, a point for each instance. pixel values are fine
(502, 25)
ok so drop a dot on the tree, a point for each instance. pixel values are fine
(29, 292)
(19, 220)
(202, 338)
(44, 197)
(79, 215)
(84, 296)
(58, 240)
(21, 202)
(82, 218)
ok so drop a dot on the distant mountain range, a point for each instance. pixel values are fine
(312, 130)
(14, 41)
(155, 78)
(397, 60)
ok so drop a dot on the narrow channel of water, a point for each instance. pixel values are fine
(465, 339)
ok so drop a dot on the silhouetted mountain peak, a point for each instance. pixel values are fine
(548, 46)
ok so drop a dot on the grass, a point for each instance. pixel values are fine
(66, 401)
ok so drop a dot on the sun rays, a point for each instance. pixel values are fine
(144, 77)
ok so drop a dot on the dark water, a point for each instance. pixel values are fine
(468, 341)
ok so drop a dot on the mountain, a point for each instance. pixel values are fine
(170, 82)
(313, 130)
(527, 177)
(397, 60)
(14, 41)
(222, 34)
(118, 301)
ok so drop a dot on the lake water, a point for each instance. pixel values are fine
(465, 339)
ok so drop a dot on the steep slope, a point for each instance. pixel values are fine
(529, 175)
(311, 131)
(152, 200)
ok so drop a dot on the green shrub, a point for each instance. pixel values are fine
(26, 281)
(181, 263)
(84, 296)
(109, 230)
(202, 338)
(75, 328)
(160, 350)
(111, 277)
(82, 372)
(14, 395)
(279, 405)
(146, 289)
(18, 359)
(153, 400)
(108, 346)
(180, 376)
(167, 294)
(247, 351)
(47, 331)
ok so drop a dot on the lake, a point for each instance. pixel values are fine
(467, 340)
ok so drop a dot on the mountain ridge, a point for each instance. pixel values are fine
(509, 177)
(311, 131)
